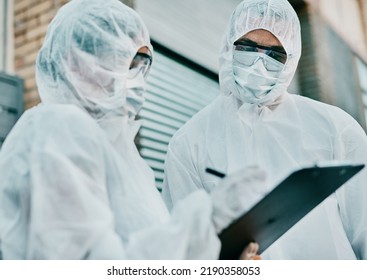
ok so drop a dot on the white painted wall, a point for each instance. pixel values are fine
(192, 28)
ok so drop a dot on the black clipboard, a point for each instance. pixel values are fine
(283, 207)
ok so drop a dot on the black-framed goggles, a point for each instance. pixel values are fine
(276, 54)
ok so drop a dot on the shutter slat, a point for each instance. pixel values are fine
(149, 153)
(168, 130)
(165, 112)
(158, 118)
(153, 144)
(150, 134)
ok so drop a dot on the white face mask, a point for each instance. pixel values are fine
(135, 95)
(253, 79)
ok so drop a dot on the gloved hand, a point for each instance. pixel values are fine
(237, 194)
(250, 252)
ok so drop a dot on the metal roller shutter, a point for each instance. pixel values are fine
(175, 93)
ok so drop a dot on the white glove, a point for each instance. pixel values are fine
(237, 194)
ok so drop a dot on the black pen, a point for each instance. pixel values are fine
(215, 173)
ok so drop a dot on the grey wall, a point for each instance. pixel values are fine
(334, 64)
(309, 82)
(346, 86)
(130, 3)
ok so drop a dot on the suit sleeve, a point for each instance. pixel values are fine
(353, 196)
(181, 177)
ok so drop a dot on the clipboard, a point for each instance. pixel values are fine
(283, 207)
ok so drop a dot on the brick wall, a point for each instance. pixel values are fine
(363, 9)
(31, 18)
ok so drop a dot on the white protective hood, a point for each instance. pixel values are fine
(86, 56)
(275, 16)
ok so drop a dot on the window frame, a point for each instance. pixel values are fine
(7, 36)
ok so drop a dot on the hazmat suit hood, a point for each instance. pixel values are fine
(275, 16)
(86, 56)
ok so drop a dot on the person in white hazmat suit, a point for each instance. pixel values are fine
(255, 121)
(72, 183)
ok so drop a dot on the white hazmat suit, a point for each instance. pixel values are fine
(278, 132)
(72, 183)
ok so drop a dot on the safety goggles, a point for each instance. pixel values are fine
(141, 64)
(251, 58)
(278, 55)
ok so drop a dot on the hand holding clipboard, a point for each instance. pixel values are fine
(268, 220)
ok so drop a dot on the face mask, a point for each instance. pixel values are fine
(253, 78)
(135, 88)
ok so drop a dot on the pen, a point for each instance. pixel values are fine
(215, 173)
